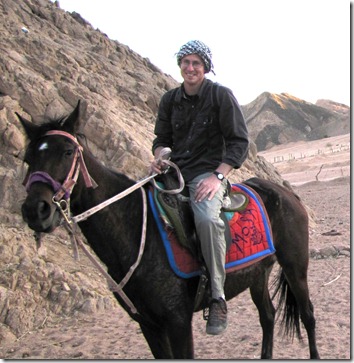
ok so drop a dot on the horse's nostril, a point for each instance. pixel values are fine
(43, 210)
(40, 215)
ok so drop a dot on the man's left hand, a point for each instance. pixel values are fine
(207, 188)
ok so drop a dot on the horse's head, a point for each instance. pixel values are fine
(53, 156)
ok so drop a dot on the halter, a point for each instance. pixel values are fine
(63, 191)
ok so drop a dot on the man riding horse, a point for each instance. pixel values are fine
(207, 142)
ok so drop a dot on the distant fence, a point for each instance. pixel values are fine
(327, 150)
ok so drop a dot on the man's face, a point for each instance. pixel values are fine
(192, 69)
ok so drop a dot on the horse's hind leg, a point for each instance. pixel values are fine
(299, 288)
(260, 296)
(310, 326)
(295, 266)
(293, 257)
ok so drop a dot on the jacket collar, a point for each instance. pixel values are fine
(181, 93)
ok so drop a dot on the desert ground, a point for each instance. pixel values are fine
(320, 174)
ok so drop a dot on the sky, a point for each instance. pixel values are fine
(298, 47)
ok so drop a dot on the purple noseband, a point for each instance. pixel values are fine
(43, 177)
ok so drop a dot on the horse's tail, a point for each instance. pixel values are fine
(287, 308)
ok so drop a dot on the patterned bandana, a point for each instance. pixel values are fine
(197, 47)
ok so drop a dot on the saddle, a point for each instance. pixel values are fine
(177, 213)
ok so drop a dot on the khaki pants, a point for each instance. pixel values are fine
(210, 228)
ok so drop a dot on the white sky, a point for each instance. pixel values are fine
(299, 47)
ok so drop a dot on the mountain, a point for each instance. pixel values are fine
(274, 119)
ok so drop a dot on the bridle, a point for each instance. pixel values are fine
(63, 191)
(61, 199)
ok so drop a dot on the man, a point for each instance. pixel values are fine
(207, 142)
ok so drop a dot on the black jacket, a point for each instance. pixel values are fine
(202, 132)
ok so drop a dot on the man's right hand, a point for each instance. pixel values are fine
(157, 166)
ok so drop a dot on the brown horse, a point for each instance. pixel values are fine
(164, 301)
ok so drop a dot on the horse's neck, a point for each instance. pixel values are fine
(110, 230)
(108, 182)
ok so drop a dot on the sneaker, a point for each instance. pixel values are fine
(217, 319)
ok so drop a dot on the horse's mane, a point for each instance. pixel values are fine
(51, 123)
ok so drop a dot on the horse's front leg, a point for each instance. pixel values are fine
(181, 340)
(158, 342)
(170, 341)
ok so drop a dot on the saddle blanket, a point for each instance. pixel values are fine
(251, 237)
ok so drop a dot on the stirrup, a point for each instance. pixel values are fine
(203, 281)
(206, 313)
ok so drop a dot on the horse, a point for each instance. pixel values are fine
(163, 302)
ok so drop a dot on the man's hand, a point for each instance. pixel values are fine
(158, 166)
(207, 188)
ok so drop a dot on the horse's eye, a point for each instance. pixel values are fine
(69, 152)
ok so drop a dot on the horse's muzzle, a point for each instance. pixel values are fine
(38, 210)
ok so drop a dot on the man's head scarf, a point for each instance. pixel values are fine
(197, 47)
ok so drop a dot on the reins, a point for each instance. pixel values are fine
(164, 152)
(61, 199)
(113, 285)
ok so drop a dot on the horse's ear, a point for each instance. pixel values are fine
(30, 128)
(72, 122)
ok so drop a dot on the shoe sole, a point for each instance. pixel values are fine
(215, 330)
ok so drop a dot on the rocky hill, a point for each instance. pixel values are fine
(49, 59)
(275, 119)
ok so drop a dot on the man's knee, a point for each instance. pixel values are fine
(207, 221)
